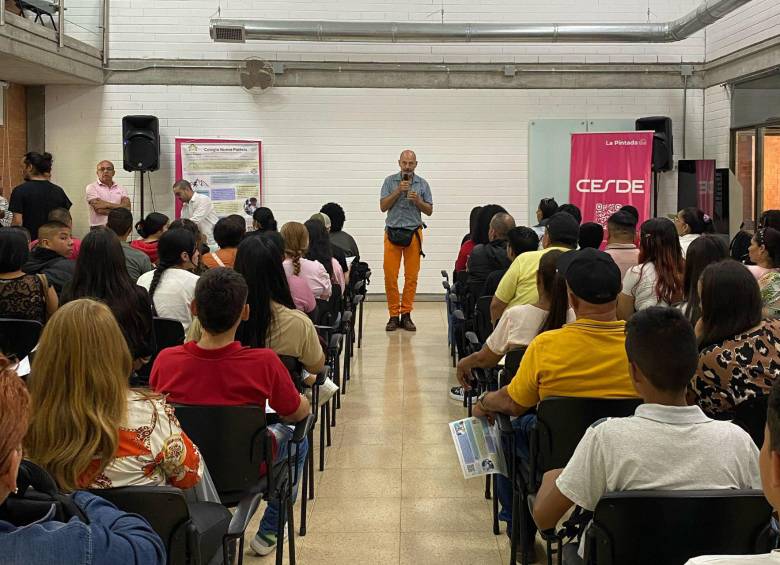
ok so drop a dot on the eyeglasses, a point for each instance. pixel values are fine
(106, 169)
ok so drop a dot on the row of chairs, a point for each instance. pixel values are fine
(736, 521)
(235, 442)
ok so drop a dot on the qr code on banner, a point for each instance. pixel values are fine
(604, 211)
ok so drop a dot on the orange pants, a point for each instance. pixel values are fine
(396, 304)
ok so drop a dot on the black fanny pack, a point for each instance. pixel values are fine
(401, 237)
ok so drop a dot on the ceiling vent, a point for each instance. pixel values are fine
(228, 33)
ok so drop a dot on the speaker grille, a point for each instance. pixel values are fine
(228, 34)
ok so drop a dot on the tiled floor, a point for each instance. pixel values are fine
(392, 491)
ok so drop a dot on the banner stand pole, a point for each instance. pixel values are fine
(655, 193)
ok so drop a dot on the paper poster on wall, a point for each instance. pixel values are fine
(228, 171)
(609, 171)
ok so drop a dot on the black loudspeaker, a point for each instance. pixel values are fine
(663, 149)
(141, 143)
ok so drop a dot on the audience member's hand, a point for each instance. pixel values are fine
(478, 412)
(464, 375)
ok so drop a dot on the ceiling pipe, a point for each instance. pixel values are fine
(240, 31)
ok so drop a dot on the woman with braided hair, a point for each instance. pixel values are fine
(296, 245)
(171, 285)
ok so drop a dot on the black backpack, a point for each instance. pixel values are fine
(37, 493)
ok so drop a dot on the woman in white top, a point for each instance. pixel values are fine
(520, 324)
(171, 285)
(658, 278)
(296, 244)
(690, 224)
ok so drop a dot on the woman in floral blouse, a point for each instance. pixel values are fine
(88, 428)
(764, 251)
(739, 353)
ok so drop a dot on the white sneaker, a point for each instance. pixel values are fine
(327, 390)
(265, 544)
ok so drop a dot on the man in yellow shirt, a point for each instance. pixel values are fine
(586, 358)
(518, 285)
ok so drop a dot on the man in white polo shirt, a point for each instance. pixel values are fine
(666, 445)
(198, 208)
(105, 195)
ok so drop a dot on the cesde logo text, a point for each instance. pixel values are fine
(620, 186)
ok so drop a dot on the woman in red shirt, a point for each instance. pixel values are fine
(150, 229)
(467, 245)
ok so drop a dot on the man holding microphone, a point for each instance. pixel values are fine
(404, 196)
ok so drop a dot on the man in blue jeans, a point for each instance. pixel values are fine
(218, 371)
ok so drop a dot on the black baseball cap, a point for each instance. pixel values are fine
(592, 275)
(563, 228)
(623, 218)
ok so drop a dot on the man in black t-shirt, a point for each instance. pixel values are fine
(32, 200)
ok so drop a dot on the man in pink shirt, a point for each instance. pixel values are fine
(104, 195)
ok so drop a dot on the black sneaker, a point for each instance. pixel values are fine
(456, 393)
(392, 324)
(407, 324)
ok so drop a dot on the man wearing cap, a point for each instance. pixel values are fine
(585, 358)
(518, 285)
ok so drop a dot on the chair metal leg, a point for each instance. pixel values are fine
(310, 457)
(327, 419)
(487, 486)
(496, 525)
(280, 532)
(515, 527)
(304, 494)
(323, 425)
(360, 324)
(291, 529)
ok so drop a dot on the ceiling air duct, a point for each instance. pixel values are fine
(294, 30)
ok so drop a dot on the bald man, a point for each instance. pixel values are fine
(105, 195)
(405, 197)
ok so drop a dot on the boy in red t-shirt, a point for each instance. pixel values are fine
(219, 371)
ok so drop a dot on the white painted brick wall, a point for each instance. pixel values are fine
(179, 29)
(717, 110)
(752, 23)
(338, 144)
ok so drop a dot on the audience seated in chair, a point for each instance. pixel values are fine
(519, 240)
(151, 230)
(572, 210)
(585, 358)
(338, 237)
(50, 255)
(62, 215)
(764, 251)
(273, 321)
(469, 241)
(88, 428)
(492, 254)
(737, 349)
(109, 536)
(338, 254)
(101, 274)
(120, 222)
(547, 207)
(666, 445)
(704, 251)
(769, 465)
(591, 235)
(621, 240)
(518, 286)
(217, 370)
(22, 296)
(314, 274)
(521, 324)
(200, 239)
(321, 251)
(171, 285)
(658, 278)
(228, 233)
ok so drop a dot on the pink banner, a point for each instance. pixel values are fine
(611, 170)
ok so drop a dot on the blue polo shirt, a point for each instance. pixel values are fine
(404, 214)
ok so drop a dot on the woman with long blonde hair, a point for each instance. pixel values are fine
(296, 244)
(88, 428)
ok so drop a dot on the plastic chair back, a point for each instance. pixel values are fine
(234, 442)
(167, 333)
(166, 511)
(19, 337)
(670, 527)
(295, 368)
(512, 362)
(750, 415)
(484, 326)
(561, 423)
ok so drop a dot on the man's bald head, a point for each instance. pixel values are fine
(500, 224)
(407, 161)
